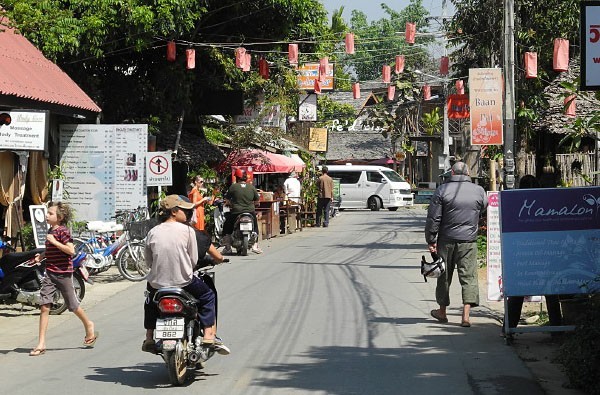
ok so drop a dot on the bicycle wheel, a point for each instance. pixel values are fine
(132, 262)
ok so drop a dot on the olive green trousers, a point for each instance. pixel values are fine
(461, 257)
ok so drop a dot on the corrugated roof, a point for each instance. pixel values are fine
(26, 73)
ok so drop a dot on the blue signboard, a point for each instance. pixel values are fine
(550, 240)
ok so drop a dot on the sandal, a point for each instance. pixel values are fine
(436, 314)
(92, 341)
(36, 352)
(465, 324)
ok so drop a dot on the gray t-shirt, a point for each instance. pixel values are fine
(171, 254)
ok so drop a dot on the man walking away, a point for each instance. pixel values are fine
(325, 184)
(451, 232)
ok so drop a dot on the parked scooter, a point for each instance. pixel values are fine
(179, 333)
(218, 220)
(21, 278)
(244, 234)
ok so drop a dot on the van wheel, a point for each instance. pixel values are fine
(393, 208)
(373, 203)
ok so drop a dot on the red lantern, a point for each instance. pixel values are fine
(426, 92)
(387, 74)
(391, 92)
(263, 68)
(570, 106)
(323, 66)
(411, 30)
(190, 58)
(293, 53)
(399, 64)
(444, 65)
(350, 43)
(530, 64)
(247, 62)
(356, 90)
(561, 55)
(317, 86)
(240, 57)
(171, 51)
(460, 87)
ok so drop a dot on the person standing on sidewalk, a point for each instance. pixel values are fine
(59, 276)
(292, 188)
(198, 196)
(325, 184)
(451, 232)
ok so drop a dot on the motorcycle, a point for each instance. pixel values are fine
(21, 278)
(244, 235)
(178, 334)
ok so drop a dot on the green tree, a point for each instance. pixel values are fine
(379, 42)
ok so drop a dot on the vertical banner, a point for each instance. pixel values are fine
(550, 241)
(494, 255)
(485, 101)
(590, 45)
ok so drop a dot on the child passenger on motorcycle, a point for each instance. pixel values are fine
(172, 252)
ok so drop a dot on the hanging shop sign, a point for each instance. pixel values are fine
(24, 130)
(458, 106)
(307, 110)
(485, 101)
(309, 72)
(318, 140)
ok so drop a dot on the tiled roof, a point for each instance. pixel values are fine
(363, 145)
(26, 73)
(193, 148)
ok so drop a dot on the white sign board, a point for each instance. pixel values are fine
(102, 170)
(26, 132)
(590, 45)
(159, 169)
(39, 224)
(307, 110)
(58, 189)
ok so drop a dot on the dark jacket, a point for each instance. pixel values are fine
(453, 214)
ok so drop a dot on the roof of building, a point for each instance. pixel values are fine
(553, 118)
(362, 145)
(366, 98)
(26, 73)
(193, 147)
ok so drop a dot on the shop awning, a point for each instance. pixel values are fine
(263, 162)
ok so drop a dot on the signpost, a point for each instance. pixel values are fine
(159, 169)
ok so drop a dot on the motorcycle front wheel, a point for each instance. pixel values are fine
(59, 305)
(177, 364)
(131, 262)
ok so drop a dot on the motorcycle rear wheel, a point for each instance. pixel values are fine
(177, 364)
(245, 246)
(132, 263)
(59, 306)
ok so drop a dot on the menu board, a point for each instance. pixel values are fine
(39, 224)
(550, 240)
(102, 168)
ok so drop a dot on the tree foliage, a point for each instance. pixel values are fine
(378, 42)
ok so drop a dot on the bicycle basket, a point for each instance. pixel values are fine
(139, 229)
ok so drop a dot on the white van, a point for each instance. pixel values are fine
(373, 187)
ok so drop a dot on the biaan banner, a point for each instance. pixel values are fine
(485, 102)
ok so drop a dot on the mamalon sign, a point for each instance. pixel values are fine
(550, 240)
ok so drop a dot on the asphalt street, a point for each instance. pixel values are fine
(338, 310)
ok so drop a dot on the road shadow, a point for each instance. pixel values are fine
(146, 375)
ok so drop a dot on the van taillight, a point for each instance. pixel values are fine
(170, 305)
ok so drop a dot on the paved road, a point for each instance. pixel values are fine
(338, 310)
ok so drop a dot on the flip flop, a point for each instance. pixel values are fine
(436, 314)
(465, 324)
(91, 342)
(36, 352)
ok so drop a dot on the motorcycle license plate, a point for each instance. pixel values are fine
(246, 226)
(169, 328)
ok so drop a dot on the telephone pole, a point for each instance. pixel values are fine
(509, 97)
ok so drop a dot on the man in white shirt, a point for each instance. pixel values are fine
(291, 187)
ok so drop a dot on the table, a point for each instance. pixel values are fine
(269, 219)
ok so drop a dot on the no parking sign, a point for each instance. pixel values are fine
(159, 169)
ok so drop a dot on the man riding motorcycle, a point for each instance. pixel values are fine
(242, 197)
(172, 251)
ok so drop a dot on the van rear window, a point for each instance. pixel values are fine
(346, 177)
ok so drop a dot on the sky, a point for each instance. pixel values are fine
(372, 8)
